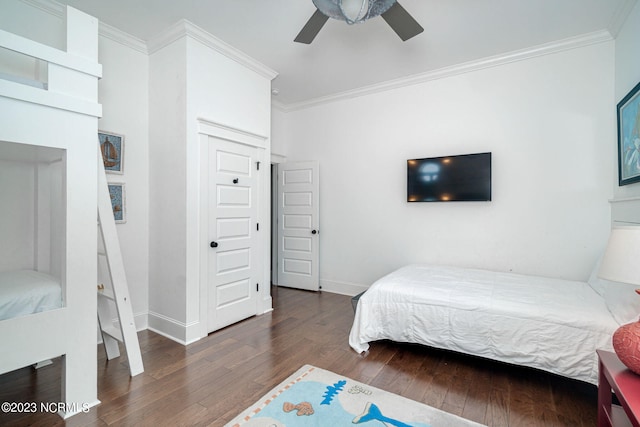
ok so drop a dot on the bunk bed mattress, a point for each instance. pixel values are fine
(550, 324)
(24, 292)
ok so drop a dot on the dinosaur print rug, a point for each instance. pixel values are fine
(319, 398)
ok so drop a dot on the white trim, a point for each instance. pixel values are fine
(230, 133)
(278, 158)
(105, 30)
(34, 95)
(184, 28)
(49, 54)
(627, 199)
(209, 129)
(278, 105)
(467, 67)
(625, 211)
(342, 288)
(125, 39)
(52, 7)
(173, 329)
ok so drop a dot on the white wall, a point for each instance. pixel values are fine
(167, 186)
(278, 131)
(191, 80)
(548, 122)
(17, 216)
(627, 77)
(124, 94)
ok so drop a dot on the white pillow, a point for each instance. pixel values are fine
(622, 301)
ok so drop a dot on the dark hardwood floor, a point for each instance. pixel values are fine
(211, 381)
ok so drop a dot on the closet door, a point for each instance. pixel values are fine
(233, 253)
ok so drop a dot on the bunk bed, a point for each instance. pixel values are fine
(24, 292)
(48, 131)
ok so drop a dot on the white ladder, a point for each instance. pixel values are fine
(109, 255)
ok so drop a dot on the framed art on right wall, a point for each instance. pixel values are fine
(629, 137)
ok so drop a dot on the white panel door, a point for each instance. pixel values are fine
(298, 219)
(233, 261)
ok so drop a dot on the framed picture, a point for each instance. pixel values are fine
(112, 149)
(117, 194)
(629, 138)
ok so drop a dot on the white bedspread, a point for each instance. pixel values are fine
(550, 324)
(25, 292)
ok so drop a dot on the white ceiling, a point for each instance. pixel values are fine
(344, 57)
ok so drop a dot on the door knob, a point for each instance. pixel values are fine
(235, 180)
(314, 231)
(214, 244)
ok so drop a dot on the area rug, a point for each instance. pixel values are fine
(319, 398)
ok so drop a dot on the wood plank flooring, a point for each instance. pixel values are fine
(211, 381)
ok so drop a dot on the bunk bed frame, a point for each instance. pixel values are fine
(63, 114)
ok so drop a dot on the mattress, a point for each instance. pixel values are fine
(24, 292)
(550, 324)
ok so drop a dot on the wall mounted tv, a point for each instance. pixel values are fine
(450, 179)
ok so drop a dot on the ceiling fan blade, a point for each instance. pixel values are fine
(401, 22)
(312, 28)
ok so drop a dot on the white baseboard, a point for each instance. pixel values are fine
(342, 288)
(174, 330)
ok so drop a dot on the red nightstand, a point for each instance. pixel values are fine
(614, 376)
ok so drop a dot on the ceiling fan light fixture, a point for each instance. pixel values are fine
(356, 11)
(353, 11)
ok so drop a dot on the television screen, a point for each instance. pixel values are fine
(449, 179)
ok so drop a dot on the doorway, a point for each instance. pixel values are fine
(295, 225)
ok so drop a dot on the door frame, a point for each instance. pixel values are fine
(200, 244)
(276, 160)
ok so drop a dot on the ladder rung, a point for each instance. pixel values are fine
(105, 293)
(113, 332)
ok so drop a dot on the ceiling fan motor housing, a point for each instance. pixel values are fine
(353, 11)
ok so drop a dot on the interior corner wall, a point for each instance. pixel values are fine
(124, 94)
(548, 123)
(167, 189)
(627, 77)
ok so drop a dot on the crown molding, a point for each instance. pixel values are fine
(184, 28)
(119, 36)
(279, 105)
(467, 67)
(50, 6)
(105, 30)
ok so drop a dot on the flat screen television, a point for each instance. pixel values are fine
(450, 179)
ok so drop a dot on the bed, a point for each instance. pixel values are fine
(24, 292)
(48, 171)
(550, 324)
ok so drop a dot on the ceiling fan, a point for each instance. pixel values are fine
(356, 11)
